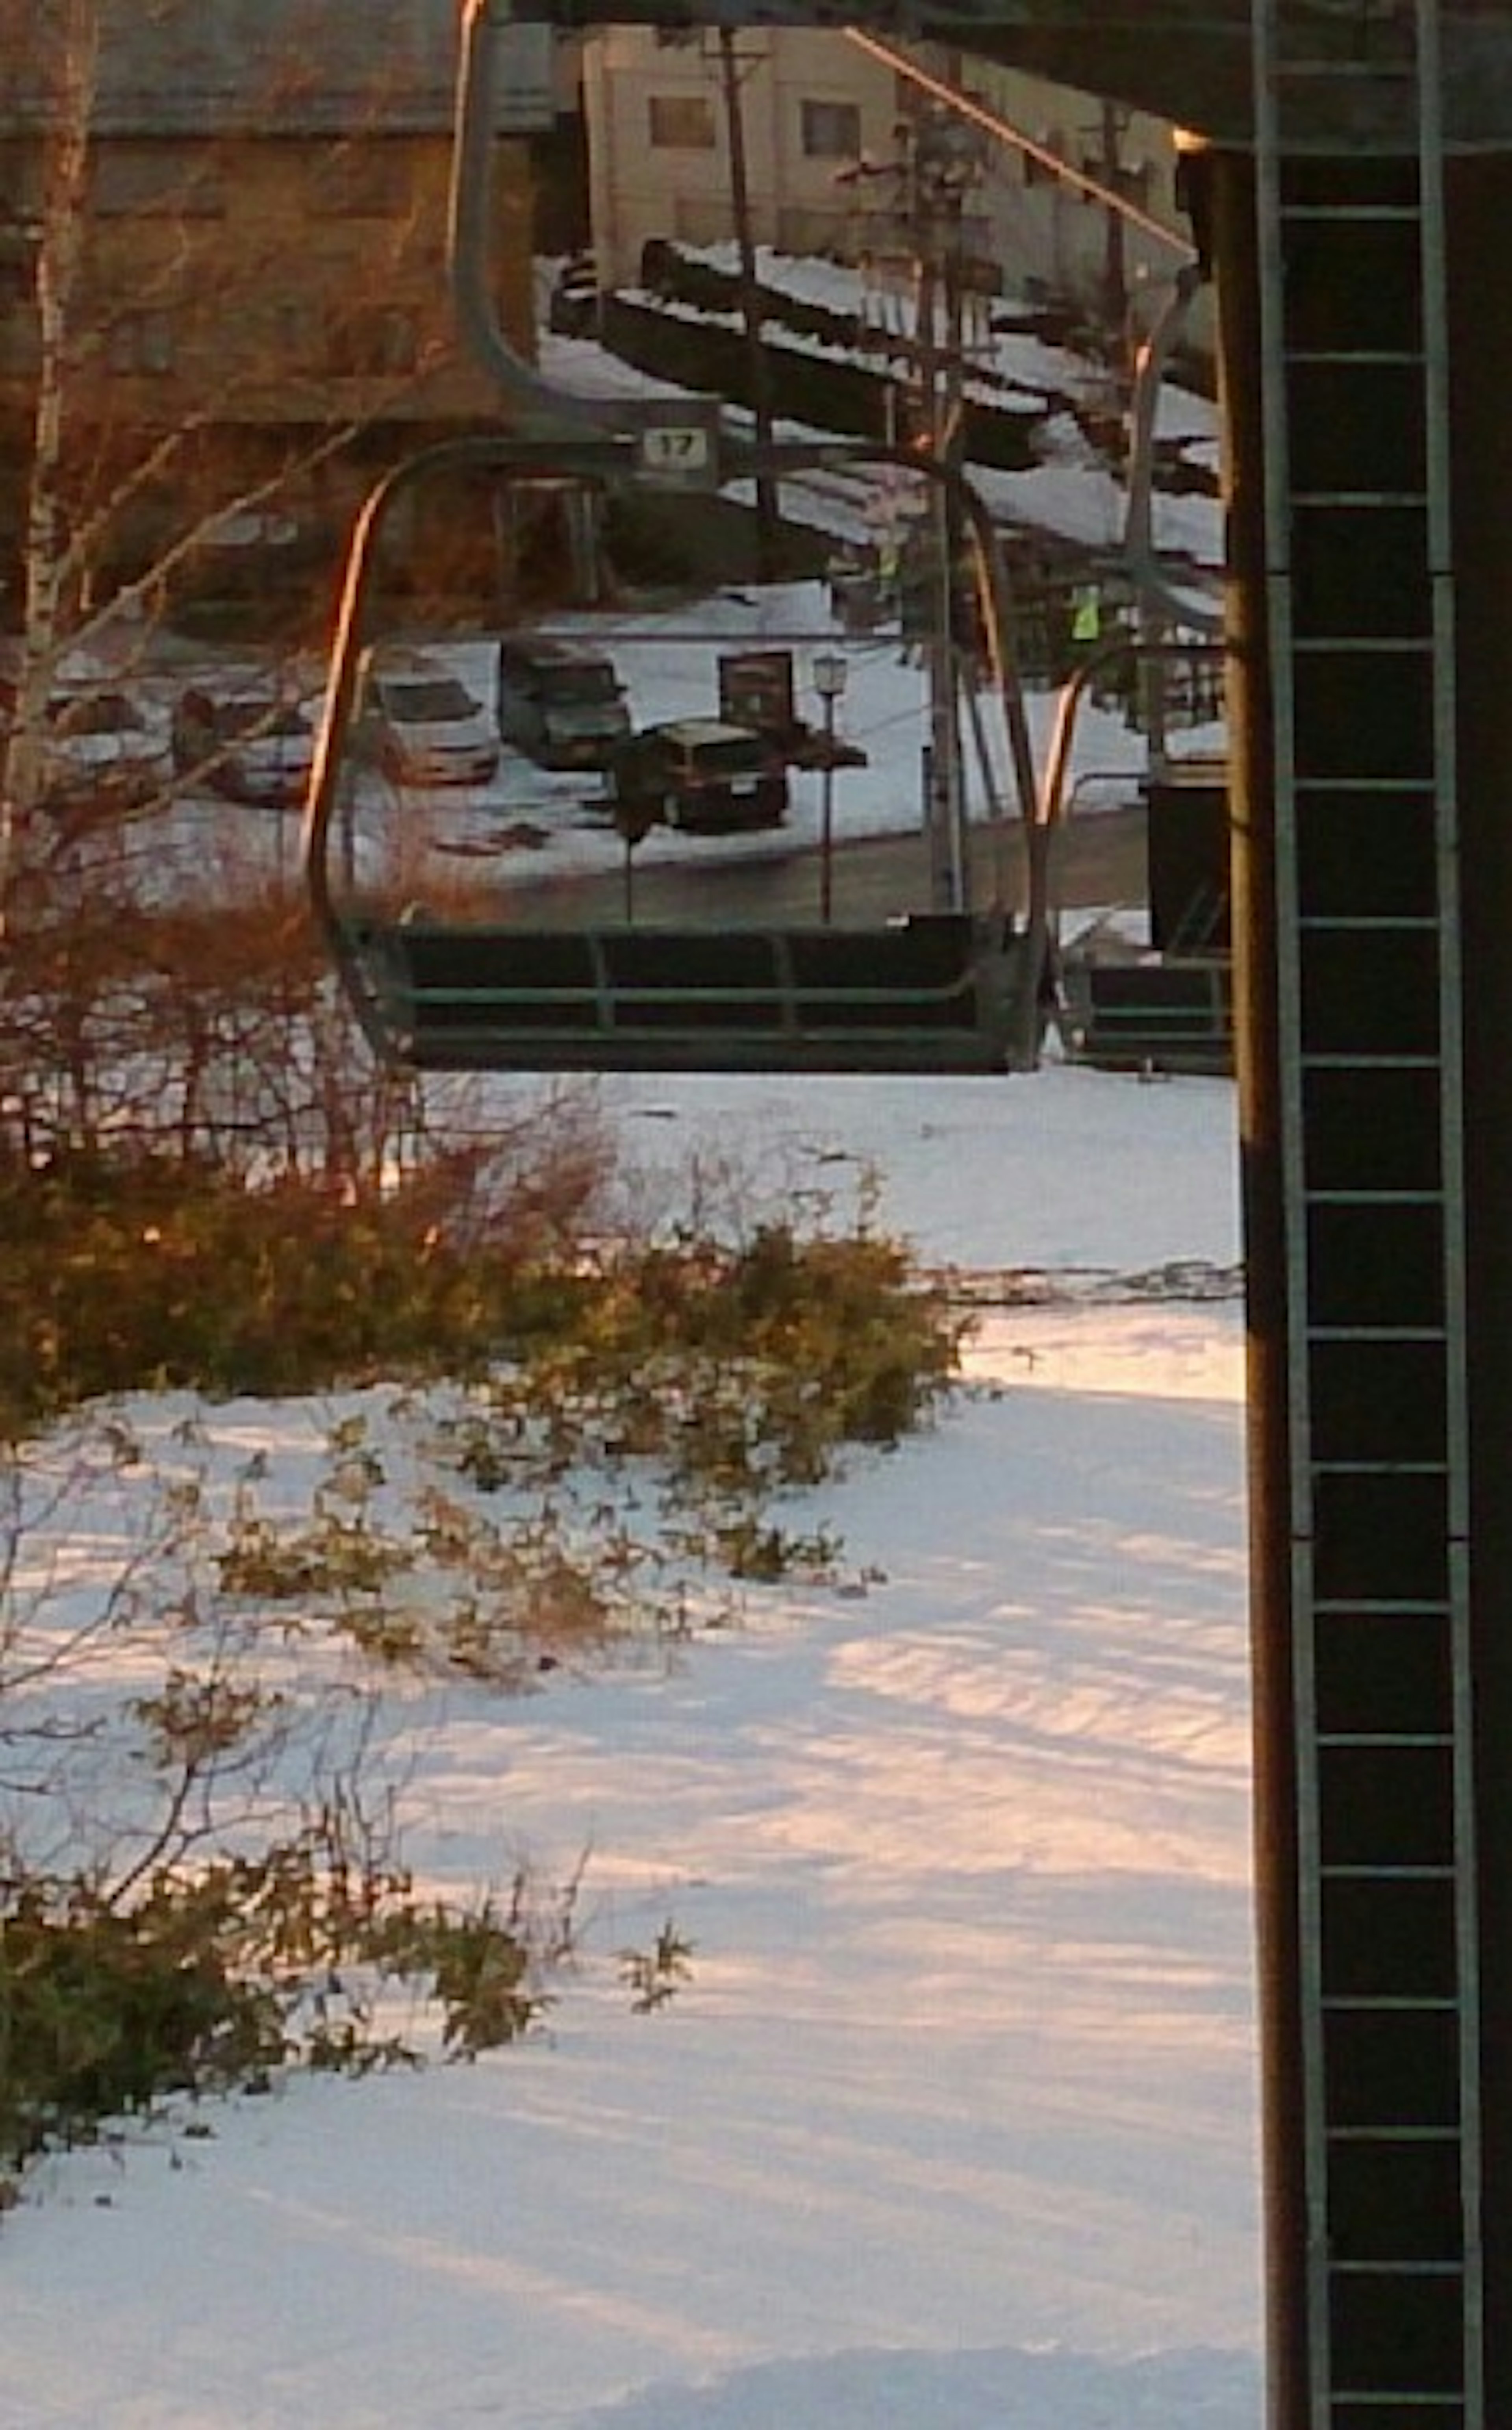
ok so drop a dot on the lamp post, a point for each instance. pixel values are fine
(829, 682)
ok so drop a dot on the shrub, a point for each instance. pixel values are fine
(656, 1975)
(157, 1271)
(100, 2011)
(746, 1368)
(105, 2010)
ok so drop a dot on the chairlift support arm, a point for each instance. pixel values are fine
(604, 456)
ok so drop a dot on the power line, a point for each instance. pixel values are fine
(1006, 132)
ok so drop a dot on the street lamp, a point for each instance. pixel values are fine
(829, 682)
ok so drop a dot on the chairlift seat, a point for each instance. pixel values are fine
(931, 992)
(1159, 1016)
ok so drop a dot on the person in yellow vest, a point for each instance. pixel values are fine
(1086, 619)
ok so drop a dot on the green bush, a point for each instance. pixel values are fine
(746, 1369)
(479, 1966)
(204, 1983)
(747, 1364)
(101, 2012)
(162, 1272)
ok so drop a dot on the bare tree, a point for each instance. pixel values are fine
(67, 35)
(223, 303)
(233, 309)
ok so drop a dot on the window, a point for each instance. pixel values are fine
(362, 182)
(374, 341)
(681, 122)
(157, 181)
(297, 335)
(831, 130)
(140, 341)
(19, 346)
(18, 269)
(21, 184)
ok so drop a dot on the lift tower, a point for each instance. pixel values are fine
(1351, 199)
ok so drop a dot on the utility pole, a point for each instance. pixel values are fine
(941, 165)
(750, 295)
(1115, 297)
(938, 163)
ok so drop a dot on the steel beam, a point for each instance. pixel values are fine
(1187, 61)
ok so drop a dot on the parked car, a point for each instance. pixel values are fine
(562, 706)
(702, 774)
(100, 748)
(422, 724)
(254, 743)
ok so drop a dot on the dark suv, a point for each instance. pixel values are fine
(562, 706)
(703, 774)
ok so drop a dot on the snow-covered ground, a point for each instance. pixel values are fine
(954, 2128)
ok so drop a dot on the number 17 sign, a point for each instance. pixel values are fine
(679, 453)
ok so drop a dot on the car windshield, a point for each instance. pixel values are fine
(432, 700)
(587, 686)
(735, 755)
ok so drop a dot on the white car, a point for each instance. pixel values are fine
(424, 727)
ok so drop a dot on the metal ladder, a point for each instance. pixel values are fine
(1350, 234)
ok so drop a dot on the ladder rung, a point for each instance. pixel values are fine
(1359, 498)
(1418, 1333)
(1408, 787)
(1375, 645)
(1386, 1737)
(1426, 2397)
(1380, 1467)
(1314, 1060)
(1333, 212)
(1384, 1607)
(1396, 2269)
(1395, 2133)
(1387, 1872)
(1372, 924)
(1399, 2003)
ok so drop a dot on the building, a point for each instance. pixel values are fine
(826, 123)
(261, 303)
(659, 108)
